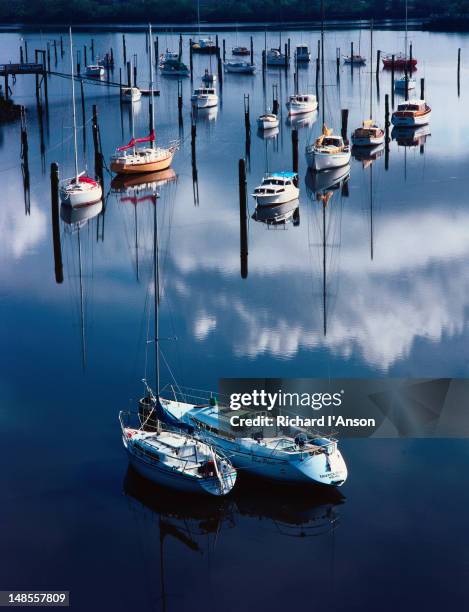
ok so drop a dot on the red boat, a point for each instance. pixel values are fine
(401, 62)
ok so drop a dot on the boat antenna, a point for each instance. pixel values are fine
(157, 293)
(322, 65)
(152, 102)
(73, 107)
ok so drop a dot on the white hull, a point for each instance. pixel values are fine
(367, 141)
(133, 96)
(326, 161)
(276, 198)
(168, 477)
(411, 121)
(300, 108)
(267, 125)
(79, 196)
(204, 102)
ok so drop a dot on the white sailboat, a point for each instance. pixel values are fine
(405, 82)
(162, 449)
(299, 459)
(370, 134)
(329, 150)
(80, 190)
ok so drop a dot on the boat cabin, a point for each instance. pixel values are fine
(302, 98)
(204, 91)
(412, 106)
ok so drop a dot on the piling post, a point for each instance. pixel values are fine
(220, 72)
(180, 46)
(286, 57)
(252, 52)
(98, 158)
(21, 54)
(318, 56)
(61, 47)
(26, 49)
(386, 129)
(243, 217)
(422, 88)
(135, 74)
(263, 62)
(129, 75)
(289, 49)
(25, 162)
(180, 101)
(191, 63)
(294, 143)
(459, 71)
(48, 57)
(124, 49)
(54, 189)
(92, 49)
(55, 52)
(247, 125)
(337, 68)
(217, 48)
(157, 44)
(378, 60)
(344, 122)
(85, 55)
(195, 181)
(392, 78)
(274, 100)
(224, 49)
(78, 61)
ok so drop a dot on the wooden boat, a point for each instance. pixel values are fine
(132, 159)
(267, 121)
(401, 62)
(412, 113)
(274, 57)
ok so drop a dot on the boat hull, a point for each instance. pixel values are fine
(415, 121)
(168, 477)
(204, 102)
(326, 161)
(267, 125)
(301, 109)
(78, 198)
(275, 199)
(120, 167)
(240, 70)
(367, 141)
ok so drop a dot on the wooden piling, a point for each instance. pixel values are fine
(459, 72)
(54, 189)
(243, 217)
(55, 52)
(252, 51)
(124, 49)
(21, 54)
(294, 143)
(275, 106)
(220, 72)
(98, 157)
(378, 60)
(337, 68)
(26, 49)
(92, 49)
(286, 57)
(191, 63)
(180, 101)
(129, 75)
(25, 162)
(135, 75)
(422, 88)
(85, 55)
(247, 125)
(386, 130)
(224, 49)
(180, 47)
(344, 122)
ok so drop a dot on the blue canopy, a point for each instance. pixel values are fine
(284, 174)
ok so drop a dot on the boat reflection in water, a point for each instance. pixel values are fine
(302, 121)
(411, 136)
(205, 115)
(327, 180)
(78, 217)
(268, 134)
(278, 215)
(292, 510)
(368, 154)
(142, 182)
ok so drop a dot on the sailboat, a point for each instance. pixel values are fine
(329, 150)
(149, 158)
(401, 60)
(204, 45)
(162, 449)
(80, 190)
(370, 134)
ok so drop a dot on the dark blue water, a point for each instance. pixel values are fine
(73, 355)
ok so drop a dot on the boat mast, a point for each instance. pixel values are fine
(132, 122)
(152, 107)
(405, 43)
(322, 65)
(371, 70)
(157, 294)
(75, 145)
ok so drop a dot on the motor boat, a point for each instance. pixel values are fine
(167, 56)
(204, 45)
(301, 103)
(204, 97)
(411, 113)
(369, 134)
(131, 94)
(174, 67)
(240, 67)
(277, 188)
(275, 58)
(240, 51)
(405, 82)
(328, 151)
(302, 54)
(267, 121)
(355, 60)
(95, 70)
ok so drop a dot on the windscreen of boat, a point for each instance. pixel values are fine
(408, 107)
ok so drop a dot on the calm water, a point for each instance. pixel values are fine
(74, 353)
